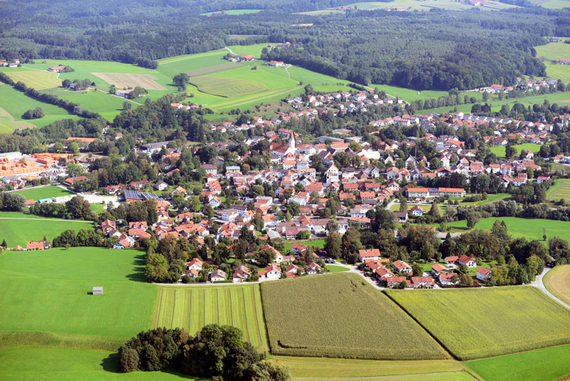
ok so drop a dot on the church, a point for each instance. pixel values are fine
(283, 150)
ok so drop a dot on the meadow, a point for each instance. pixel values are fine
(234, 12)
(226, 87)
(193, 307)
(500, 150)
(557, 281)
(18, 228)
(476, 323)
(336, 269)
(314, 243)
(553, 50)
(558, 71)
(37, 79)
(49, 290)
(341, 315)
(561, 189)
(530, 228)
(546, 364)
(44, 192)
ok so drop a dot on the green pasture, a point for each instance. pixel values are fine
(410, 95)
(234, 12)
(249, 50)
(554, 50)
(44, 192)
(530, 228)
(225, 87)
(560, 189)
(48, 290)
(500, 150)
(37, 79)
(180, 64)
(476, 323)
(558, 71)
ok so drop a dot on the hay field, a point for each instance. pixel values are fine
(211, 69)
(557, 281)
(193, 307)
(226, 87)
(561, 189)
(476, 323)
(122, 80)
(36, 79)
(341, 315)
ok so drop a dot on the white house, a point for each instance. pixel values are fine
(217, 276)
(483, 274)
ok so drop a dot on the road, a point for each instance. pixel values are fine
(539, 283)
(230, 51)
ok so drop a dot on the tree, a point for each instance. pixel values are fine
(314, 198)
(417, 269)
(472, 219)
(333, 245)
(73, 148)
(156, 269)
(510, 151)
(350, 245)
(265, 257)
(181, 80)
(74, 170)
(403, 205)
(435, 212)
(332, 226)
(127, 105)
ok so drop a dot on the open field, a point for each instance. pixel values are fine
(546, 364)
(475, 323)
(557, 281)
(45, 192)
(554, 50)
(500, 150)
(38, 79)
(561, 189)
(192, 308)
(557, 71)
(181, 64)
(336, 269)
(122, 80)
(314, 243)
(212, 69)
(341, 315)
(56, 298)
(530, 228)
(225, 87)
(234, 12)
(19, 230)
(248, 50)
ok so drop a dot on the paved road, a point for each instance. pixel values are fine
(539, 283)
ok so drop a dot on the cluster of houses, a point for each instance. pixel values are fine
(10, 63)
(524, 85)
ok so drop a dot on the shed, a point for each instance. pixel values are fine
(97, 290)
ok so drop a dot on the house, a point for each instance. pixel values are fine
(447, 279)
(195, 264)
(417, 211)
(56, 69)
(422, 282)
(368, 254)
(467, 261)
(313, 268)
(451, 260)
(438, 269)
(400, 217)
(402, 267)
(241, 274)
(161, 185)
(108, 226)
(483, 274)
(394, 281)
(38, 245)
(271, 272)
(217, 276)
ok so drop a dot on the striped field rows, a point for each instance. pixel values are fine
(192, 308)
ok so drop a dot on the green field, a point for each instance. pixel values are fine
(341, 315)
(530, 228)
(314, 243)
(561, 189)
(17, 229)
(554, 50)
(543, 364)
(475, 323)
(235, 12)
(500, 150)
(37, 79)
(194, 307)
(557, 281)
(45, 192)
(336, 269)
(558, 71)
(49, 291)
(226, 87)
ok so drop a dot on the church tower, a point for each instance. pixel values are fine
(292, 148)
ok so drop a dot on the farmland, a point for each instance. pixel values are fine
(192, 308)
(357, 322)
(44, 192)
(529, 228)
(558, 71)
(561, 189)
(475, 323)
(38, 79)
(122, 80)
(554, 50)
(500, 150)
(56, 299)
(543, 364)
(234, 12)
(557, 281)
(225, 87)
(17, 228)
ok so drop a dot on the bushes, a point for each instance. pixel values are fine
(36, 113)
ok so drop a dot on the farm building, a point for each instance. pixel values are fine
(56, 69)
(97, 290)
(38, 245)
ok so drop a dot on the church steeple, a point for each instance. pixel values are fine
(292, 142)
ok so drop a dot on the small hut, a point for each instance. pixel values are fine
(97, 290)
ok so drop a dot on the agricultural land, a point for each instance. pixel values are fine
(561, 189)
(298, 326)
(475, 323)
(557, 281)
(521, 227)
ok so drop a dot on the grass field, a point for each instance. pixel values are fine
(557, 281)
(561, 189)
(45, 192)
(235, 12)
(17, 229)
(194, 307)
(37, 79)
(475, 323)
(557, 71)
(500, 150)
(336, 269)
(122, 80)
(341, 315)
(212, 69)
(49, 291)
(554, 50)
(530, 228)
(546, 364)
(314, 243)
(225, 87)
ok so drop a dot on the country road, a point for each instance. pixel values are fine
(539, 283)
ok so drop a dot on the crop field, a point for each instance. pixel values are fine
(19, 230)
(194, 307)
(561, 189)
(475, 323)
(530, 228)
(500, 150)
(45, 192)
(225, 87)
(341, 315)
(182, 64)
(212, 69)
(49, 291)
(557, 281)
(546, 364)
(122, 80)
(38, 79)
(557, 71)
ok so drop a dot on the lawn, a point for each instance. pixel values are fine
(543, 364)
(49, 291)
(561, 189)
(97, 208)
(193, 307)
(530, 228)
(341, 315)
(314, 243)
(475, 323)
(17, 229)
(557, 281)
(336, 269)
(500, 150)
(45, 192)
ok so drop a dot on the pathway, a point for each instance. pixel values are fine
(130, 100)
(230, 51)
(539, 283)
(287, 70)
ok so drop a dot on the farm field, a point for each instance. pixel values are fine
(226, 87)
(297, 326)
(21, 229)
(530, 228)
(234, 12)
(56, 299)
(475, 323)
(553, 50)
(561, 189)
(193, 307)
(546, 364)
(557, 281)
(171, 66)
(557, 71)
(500, 150)
(122, 80)
(45, 192)
(38, 79)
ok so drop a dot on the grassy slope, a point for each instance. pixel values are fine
(48, 291)
(500, 150)
(475, 323)
(304, 317)
(557, 281)
(38, 79)
(544, 364)
(553, 50)
(23, 229)
(561, 189)
(41, 193)
(529, 228)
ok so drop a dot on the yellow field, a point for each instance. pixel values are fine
(557, 281)
(227, 87)
(122, 80)
(36, 79)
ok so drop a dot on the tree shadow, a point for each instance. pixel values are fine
(109, 364)
(138, 269)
